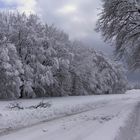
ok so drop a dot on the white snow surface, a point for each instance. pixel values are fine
(69, 118)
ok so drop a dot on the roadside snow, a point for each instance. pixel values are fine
(131, 130)
(88, 117)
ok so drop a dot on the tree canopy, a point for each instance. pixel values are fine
(39, 60)
(119, 22)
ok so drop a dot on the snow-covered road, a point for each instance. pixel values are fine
(131, 131)
(102, 122)
(136, 128)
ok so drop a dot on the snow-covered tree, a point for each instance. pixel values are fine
(39, 60)
(10, 70)
(95, 74)
(120, 22)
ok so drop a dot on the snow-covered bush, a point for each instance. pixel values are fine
(18, 105)
(135, 85)
(40, 105)
(15, 106)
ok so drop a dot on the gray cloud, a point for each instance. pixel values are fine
(76, 17)
(82, 19)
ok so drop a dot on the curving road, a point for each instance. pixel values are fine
(101, 123)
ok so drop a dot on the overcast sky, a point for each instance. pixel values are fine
(76, 17)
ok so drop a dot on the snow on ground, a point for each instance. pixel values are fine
(131, 131)
(69, 118)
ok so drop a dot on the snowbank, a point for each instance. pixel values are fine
(60, 107)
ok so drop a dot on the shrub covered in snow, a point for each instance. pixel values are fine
(40, 105)
(18, 105)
